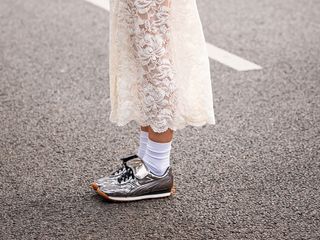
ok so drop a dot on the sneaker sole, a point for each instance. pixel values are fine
(127, 199)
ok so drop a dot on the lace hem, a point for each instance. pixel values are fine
(174, 127)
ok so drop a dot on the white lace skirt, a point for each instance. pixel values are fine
(158, 65)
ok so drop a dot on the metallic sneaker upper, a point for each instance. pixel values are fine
(116, 173)
(138, 181)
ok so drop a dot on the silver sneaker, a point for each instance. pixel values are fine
(115, 174)
(138, 183)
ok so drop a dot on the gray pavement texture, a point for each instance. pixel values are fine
(254, 175)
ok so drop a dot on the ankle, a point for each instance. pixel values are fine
(157, 157)
(143, 140)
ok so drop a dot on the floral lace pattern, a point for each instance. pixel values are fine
(149, 36)
(147, 40)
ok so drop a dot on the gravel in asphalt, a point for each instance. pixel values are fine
(254, 175)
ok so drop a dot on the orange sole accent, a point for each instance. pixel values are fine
(94, 186)
(173, 189)
(102, 194)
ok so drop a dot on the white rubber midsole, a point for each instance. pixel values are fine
(159, 195)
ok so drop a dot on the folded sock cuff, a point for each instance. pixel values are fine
(159, 147)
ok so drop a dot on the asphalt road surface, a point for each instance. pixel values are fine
(253, 175)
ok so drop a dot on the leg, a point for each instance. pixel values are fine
(157, 154)
(156, 91)
(144, 129)
(158, 84)
(156, 87)
(164, 137)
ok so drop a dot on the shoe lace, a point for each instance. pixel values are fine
(124, 165)
(120, 169)
(126, 175)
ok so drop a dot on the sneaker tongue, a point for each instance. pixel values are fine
(138, 168)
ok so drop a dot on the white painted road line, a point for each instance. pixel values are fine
(100, 3)
(214, 52)
(230, 59)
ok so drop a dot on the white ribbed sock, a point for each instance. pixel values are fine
(142, 144)
(157, 157)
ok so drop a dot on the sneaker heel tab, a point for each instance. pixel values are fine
(141, 170)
